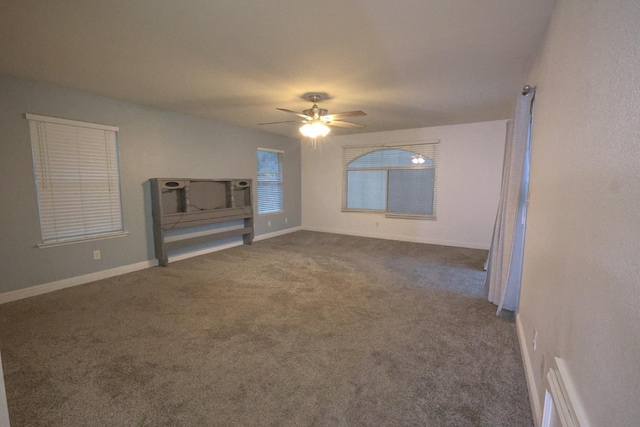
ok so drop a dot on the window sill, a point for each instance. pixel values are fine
(271, 213)
(363, 211)
(410, 216)
(72, 240)
(393, 215)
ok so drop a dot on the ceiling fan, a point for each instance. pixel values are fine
(316, 120)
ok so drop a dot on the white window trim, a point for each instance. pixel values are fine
(67, 122)
(71, 240)
(281, 211)
(273, 150)
(272, 213)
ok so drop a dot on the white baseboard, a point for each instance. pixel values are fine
(562, 398)
(276, 233)
(80, 280)
(104, 274)
(470, 245)
(536, 409)
(73, 281)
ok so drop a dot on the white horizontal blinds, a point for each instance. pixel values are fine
(367, 189)
(270, 193)
(77, 177)
(362, 189)
(400, 180)
(411, 191)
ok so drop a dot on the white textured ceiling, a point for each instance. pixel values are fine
(406, 63)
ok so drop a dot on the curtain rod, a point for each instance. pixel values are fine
(528, 89)
(395, 144)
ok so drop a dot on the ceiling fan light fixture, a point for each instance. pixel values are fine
(417, 159)
(314, 130)
(317, 120)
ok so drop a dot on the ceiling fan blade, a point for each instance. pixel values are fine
(342, 124)
(304, 116)
(275, 123)
(344, 115)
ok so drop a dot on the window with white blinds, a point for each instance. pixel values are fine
(77, 179)
(399, 180)
(270, 194)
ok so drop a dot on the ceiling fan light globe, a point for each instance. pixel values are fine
(314, 130)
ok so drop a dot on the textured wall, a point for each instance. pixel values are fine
(152, 143)
(581, 279)
(469, 174)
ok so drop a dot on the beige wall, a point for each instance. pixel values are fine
(469, 175)
(581, 284)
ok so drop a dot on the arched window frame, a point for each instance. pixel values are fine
(392, 181)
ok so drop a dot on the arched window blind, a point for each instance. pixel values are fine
(270, 194)
(399, 180)
(77, 179)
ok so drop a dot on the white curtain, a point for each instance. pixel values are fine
(504, 266)
(4, 411)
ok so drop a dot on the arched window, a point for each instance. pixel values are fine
(399, 181)
(390, 157)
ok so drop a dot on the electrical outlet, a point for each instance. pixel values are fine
(268, 223)
(535, 339)
(377, 224)
(97, 255)
(286, 220)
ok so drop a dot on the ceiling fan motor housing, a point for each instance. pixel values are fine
(315, 112)
(320, 117)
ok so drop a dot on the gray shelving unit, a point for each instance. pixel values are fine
(181, 203)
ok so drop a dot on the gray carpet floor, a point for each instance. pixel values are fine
(306, 329)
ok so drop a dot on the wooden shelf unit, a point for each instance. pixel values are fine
(182, 203)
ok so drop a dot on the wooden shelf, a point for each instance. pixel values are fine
(182, 203)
